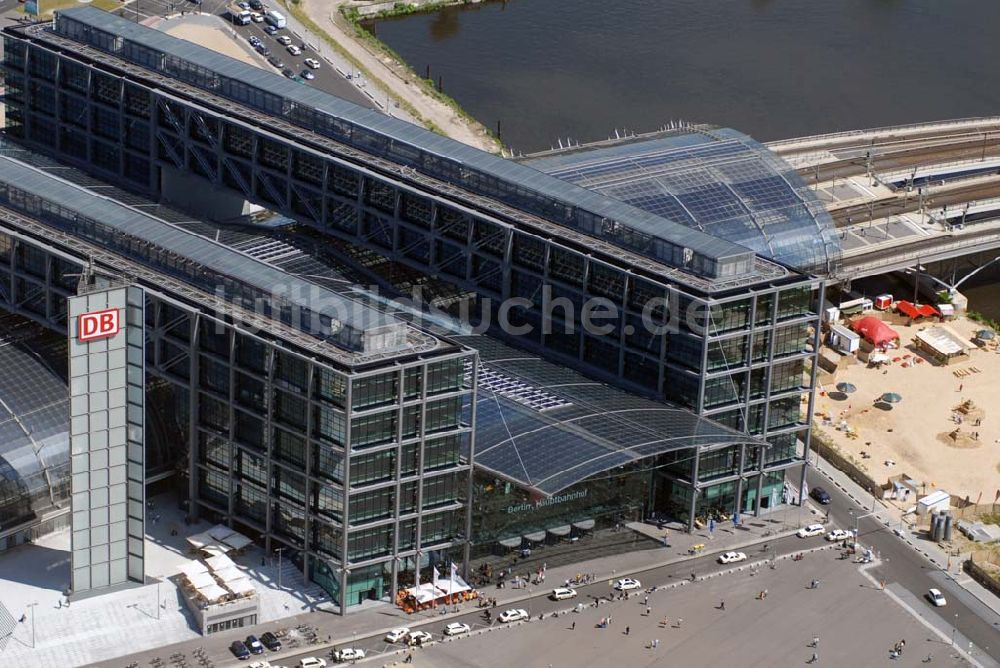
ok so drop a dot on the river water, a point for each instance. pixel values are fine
(548, 69)
(774, 69)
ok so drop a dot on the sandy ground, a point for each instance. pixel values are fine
(398, 79)
(915, 433)
(218, 37)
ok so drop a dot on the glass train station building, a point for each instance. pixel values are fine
(370, 436)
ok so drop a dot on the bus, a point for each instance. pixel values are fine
(277, 19)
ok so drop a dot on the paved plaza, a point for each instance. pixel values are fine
(102, 627)
(857, 624)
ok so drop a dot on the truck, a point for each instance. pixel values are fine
(238, 15)
(275, 18)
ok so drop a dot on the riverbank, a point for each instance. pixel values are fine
(435, 111)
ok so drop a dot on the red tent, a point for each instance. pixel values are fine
(874, 330)
(911, 311)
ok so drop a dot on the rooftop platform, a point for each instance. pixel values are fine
(718, 180)
(504, 187)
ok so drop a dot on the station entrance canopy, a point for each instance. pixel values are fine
(546, 427)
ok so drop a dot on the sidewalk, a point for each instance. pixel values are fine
(376, 618)
(389, 77)
(893, 518)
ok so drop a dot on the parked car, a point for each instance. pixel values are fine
(562, 593)
(811, 530)
(311, 63)
(820, 494)
(294, 50)
(837, 535)
(513, 615)
(283, 40)
(270, 641)
(456, 628)
(418, 638)
(732, 557)
(349, 654)
(276, 62)
(256, 5)
(256, 17)
(254, 645)
(936, 597)
(288, 73)
(625, 584)
(312, 662)
(243, 5)
(271, 30)
(263, 50)
(397, 635)
(239, 650)
(307, 75)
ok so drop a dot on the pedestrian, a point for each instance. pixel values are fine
(665, 623)
(815, 642)
(814, 658)
(679, 622)
(722, 605)
(646, 600)
(882, 584)
(627, 629)
(573, 627)
(24, 618)
(609, 620)
(409, 657)
(656, 643)
(647, 611)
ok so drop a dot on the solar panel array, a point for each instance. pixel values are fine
(720, 182)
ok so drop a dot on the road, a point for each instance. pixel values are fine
(916, 574)
(327, 78)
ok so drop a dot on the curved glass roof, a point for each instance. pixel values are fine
(719, 181)
(34, 435)
(546, 427)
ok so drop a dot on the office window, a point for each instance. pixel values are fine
(369, 543)
(326, 539)
(328, 501)
(445, 376)
(288, 485)
(443, 414)
(373, 505)
(289, 448)
(213, 413)
(251, 502)
(375, 390)
(331, 386)
(329, 424)
(328, 462)
(373, 467)
(373, 429)
(441, 528)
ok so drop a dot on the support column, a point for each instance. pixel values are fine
(694, 488)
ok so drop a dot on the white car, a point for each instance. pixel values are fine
(936, 597)
(811, 530)
(294, 50)
(418, 638)
(732, 557)
(256, 17)
(626, 584)
(284, 40)
(513, 615)
(312, 662)
(837, 535)
(562, 593)
(349, 654)
(456, 628)
(311, 63)
(396, 635)
(307, 75)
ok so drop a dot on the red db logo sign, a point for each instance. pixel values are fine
(97, 325)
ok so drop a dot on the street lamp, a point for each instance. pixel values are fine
(279, 550)
(32, 606)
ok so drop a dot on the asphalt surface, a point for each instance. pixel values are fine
(327, 78)
(902, 564)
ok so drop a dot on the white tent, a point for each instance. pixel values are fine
(220, 532)
(190, 568)
(237, 541)
(212, 593)
(230, 574)
(456, 586)
(200, 540)
(241, 586)
(219, 562)
(424, 593)
(201, 580)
